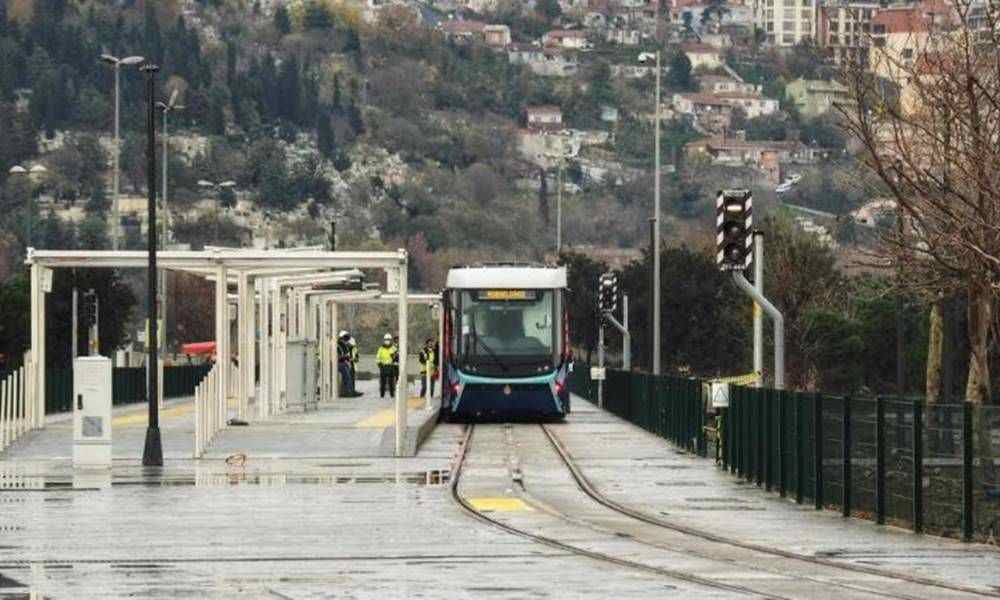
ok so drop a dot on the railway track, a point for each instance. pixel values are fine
(484, 517)
(869, 589)
(591, 491)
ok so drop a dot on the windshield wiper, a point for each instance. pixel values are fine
(493, 355)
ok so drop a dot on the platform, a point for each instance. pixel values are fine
(363, 426)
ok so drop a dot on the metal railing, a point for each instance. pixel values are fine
(670, 407)
(17, 411)
(932, 468)
(209, 412)
(926, 467)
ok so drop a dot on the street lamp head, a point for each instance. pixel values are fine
(173, 98)
(107, 58)
(17, 170)
(39, 169)
(132, 60)
(228, 184)
(204, 183)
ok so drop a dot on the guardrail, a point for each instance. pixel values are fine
(209, 413)
(17, 412)
(933, 468)
(671, 407)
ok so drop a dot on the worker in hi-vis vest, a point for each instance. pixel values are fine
(428, 366)
(386, 357)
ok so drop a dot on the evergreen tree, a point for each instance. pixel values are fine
(337, 94)
(679, 73)
(289, 90)
(282, 22)
(316, 16)
(325, 139)
(356, 119)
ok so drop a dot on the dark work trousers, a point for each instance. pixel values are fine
(386, 380)
(423, 385)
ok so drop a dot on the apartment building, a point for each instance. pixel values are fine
(786, 22)
(844, 28)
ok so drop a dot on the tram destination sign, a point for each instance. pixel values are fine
(508, 295)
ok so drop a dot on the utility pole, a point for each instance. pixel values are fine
(116, 63)
(559, 209)
(165, 108)
(656, 228)
(153, 452)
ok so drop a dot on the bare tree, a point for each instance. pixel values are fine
(936, 148)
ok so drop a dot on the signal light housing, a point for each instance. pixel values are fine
(734, 230)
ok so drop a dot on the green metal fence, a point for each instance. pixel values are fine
(128, 385)
(671, 407)
(930, 468)
(933, 468)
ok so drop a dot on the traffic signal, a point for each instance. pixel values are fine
(734, 228)
(607, 292)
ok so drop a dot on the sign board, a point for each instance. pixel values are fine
(508, 295)
(720, 394)
(46, 280)
(598, 373)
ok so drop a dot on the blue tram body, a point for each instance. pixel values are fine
(505, 354)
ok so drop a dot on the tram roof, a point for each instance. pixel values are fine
(507, 277)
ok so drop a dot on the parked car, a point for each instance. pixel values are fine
(783, 187)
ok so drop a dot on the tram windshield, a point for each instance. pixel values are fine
(506, 327)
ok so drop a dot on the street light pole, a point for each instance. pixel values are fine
(559, 209)
(165, 107)
(153, 453)
(116, 63)
(656, 228)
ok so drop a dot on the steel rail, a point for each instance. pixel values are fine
(588, 488)
(469, 509)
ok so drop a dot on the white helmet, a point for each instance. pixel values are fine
(387, 337)
(343, 333)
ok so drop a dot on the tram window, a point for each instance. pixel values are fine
(508, 328)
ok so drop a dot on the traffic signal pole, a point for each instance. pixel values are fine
(779, 326)
(758, 314)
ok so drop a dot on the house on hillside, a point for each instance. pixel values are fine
(543, 117)
(721, 84)
(546, 62)
(816, 97)
(768, 156)
(569, 39)
(623, 36)
(462, 31)
(497, 36)
(702, 55)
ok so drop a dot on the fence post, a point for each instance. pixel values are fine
(760, 439)
(845, 509)
(967, 458)
(782, 480)
(800, 449)
(879, 460)
(768, 400)
(818, 450)
(918, 467)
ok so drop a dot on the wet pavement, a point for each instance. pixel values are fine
(329, 524)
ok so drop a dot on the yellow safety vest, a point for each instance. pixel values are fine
(385, 354)
(428, 361)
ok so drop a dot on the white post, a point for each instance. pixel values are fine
(401, 388)
(600, 361)
(21, 412)
(277, 367)
(75, 325)
(197, 420)
(38, 342)
(335, 328)
(264, 350)
(779, 327)
(242, 337)
(559, 209)
(3, 414)
(656, 229)
(758, 314)
(221, 341)
(250, 360)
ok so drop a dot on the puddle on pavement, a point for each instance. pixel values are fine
(434, 477)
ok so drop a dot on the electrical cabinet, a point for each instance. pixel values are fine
(92, 412)
(300, 387)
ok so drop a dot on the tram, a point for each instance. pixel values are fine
(505, 351)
